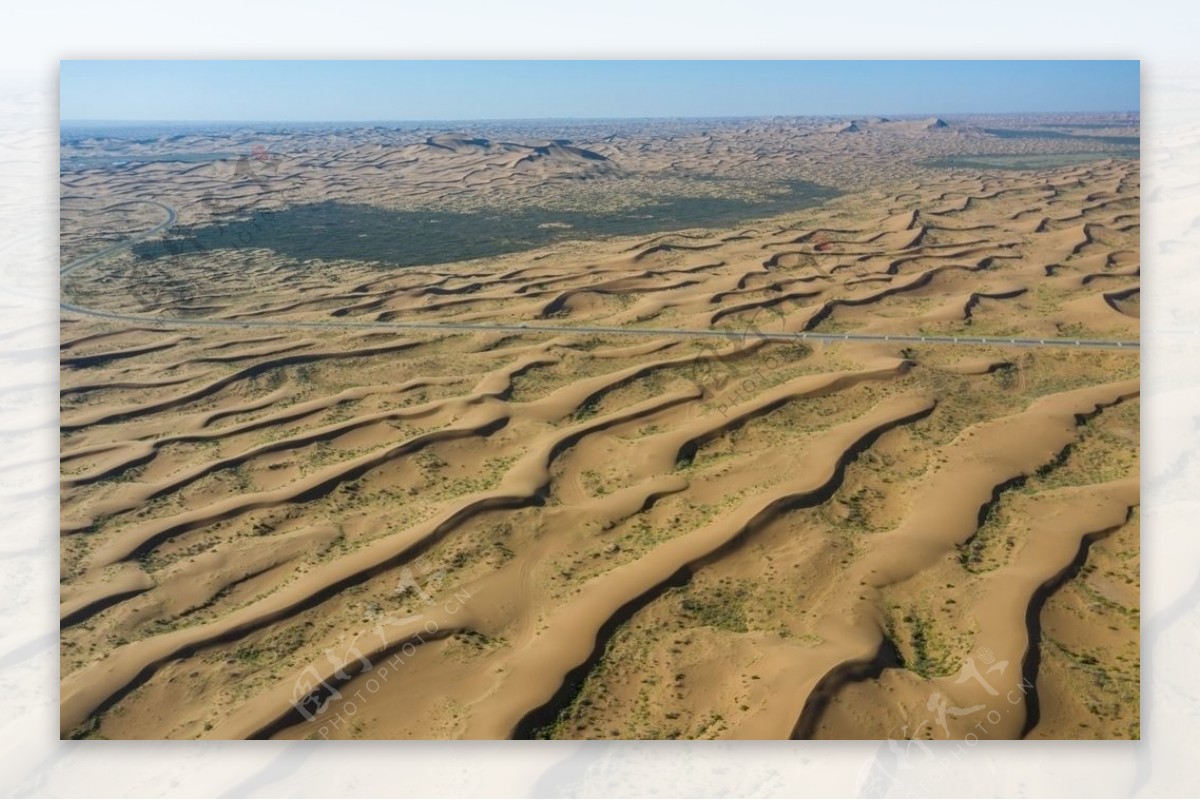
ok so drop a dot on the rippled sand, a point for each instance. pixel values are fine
(286, 530)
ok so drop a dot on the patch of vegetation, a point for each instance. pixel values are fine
(594, 482)
(1107, 450)
(1108, 691)
(587, 409)
(721, 607)
(334, 231)
(923, 648)
(992, 544)
(1026, 161)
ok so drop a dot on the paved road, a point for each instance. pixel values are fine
(463, 327)
(79, 263)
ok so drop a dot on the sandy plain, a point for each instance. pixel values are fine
(278, 527)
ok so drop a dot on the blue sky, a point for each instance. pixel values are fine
(458, 90)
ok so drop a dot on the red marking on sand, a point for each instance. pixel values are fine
(259, 151)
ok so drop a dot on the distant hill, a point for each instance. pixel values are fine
(906, 127)
(555, 158)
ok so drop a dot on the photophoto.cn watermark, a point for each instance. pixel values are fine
(911, 748)
(316, 695)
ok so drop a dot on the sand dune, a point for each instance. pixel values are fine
(328, 532)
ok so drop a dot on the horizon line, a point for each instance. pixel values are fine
(856, 115)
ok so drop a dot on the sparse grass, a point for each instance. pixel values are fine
(992, 544)
(720, 607)
(925, 645)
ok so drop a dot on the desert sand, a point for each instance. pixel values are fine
(301, 523)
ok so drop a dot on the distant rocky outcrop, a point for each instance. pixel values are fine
(456, 143)
(905, 127)
(553, 158)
